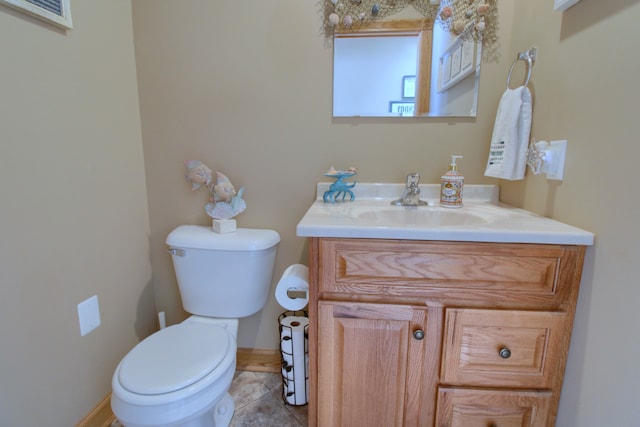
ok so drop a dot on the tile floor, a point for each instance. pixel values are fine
(258, 399)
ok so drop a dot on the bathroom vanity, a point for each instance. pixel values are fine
(433, 317)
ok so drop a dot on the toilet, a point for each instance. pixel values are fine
(180, 375)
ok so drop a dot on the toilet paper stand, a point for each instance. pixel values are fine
(294, 326)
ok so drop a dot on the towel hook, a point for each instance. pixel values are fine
(529, 56)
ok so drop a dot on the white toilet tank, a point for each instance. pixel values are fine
(223, 275)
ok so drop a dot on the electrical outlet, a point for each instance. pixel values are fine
(553, 155)
(89, 315)
(556, 168)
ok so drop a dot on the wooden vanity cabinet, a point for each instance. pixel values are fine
(423, 333)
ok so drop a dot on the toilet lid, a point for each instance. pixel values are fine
(173, 358)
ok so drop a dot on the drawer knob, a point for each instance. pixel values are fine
(505, 353)
(418, 334)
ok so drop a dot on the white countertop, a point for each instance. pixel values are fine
(481, 219)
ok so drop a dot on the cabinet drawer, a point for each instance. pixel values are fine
(501, 348)
(476, 271)
(503, 408)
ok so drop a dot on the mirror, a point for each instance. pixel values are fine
(405, 68)
(426, 64)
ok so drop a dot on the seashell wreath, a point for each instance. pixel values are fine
(225, 202)
(469, 19)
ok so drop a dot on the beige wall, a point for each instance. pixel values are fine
(73, 211)
(250, 95)
(587, 91)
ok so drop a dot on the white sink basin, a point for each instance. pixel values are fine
(422, 216)
(481, 219)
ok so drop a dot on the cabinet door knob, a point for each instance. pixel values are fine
(418, 334)
(505, 353)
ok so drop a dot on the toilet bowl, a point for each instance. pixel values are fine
(180, 376)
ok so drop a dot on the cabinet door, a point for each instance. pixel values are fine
(370, 364)
(493, 408)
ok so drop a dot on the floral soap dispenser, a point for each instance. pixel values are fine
(451, 186)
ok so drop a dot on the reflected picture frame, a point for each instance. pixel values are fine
(409, 87)
(57, 12)
(456, 63)
(467, 54)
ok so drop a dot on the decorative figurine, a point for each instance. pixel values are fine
(198, 174)
(224, 203)
(339, 190)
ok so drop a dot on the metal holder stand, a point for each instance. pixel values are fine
(288, 373)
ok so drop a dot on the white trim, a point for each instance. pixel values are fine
(562, 5)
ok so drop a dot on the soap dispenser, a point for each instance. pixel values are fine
(451, 186)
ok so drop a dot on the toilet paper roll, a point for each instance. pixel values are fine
(287, 359)
(287, 373)
(289, 392)
(294, 325)
(295, 396)
(292, 336)
(286, 345)
(295, 358)
(286, 340)
(295, 278)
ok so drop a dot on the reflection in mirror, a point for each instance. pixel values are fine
(405, 68)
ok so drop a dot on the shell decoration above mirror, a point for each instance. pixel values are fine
(225, 202)
(470, 19)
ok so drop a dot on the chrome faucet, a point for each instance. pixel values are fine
(411, 195)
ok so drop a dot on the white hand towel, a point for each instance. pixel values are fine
(510, 139)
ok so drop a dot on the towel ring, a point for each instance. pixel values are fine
(529, 57)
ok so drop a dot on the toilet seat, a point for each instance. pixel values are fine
(174, 358)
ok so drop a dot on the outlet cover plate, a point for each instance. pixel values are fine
(556, 168)
(89, 315)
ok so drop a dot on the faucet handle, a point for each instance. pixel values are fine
(413, 179)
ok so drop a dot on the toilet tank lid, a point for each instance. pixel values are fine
(203, 237)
